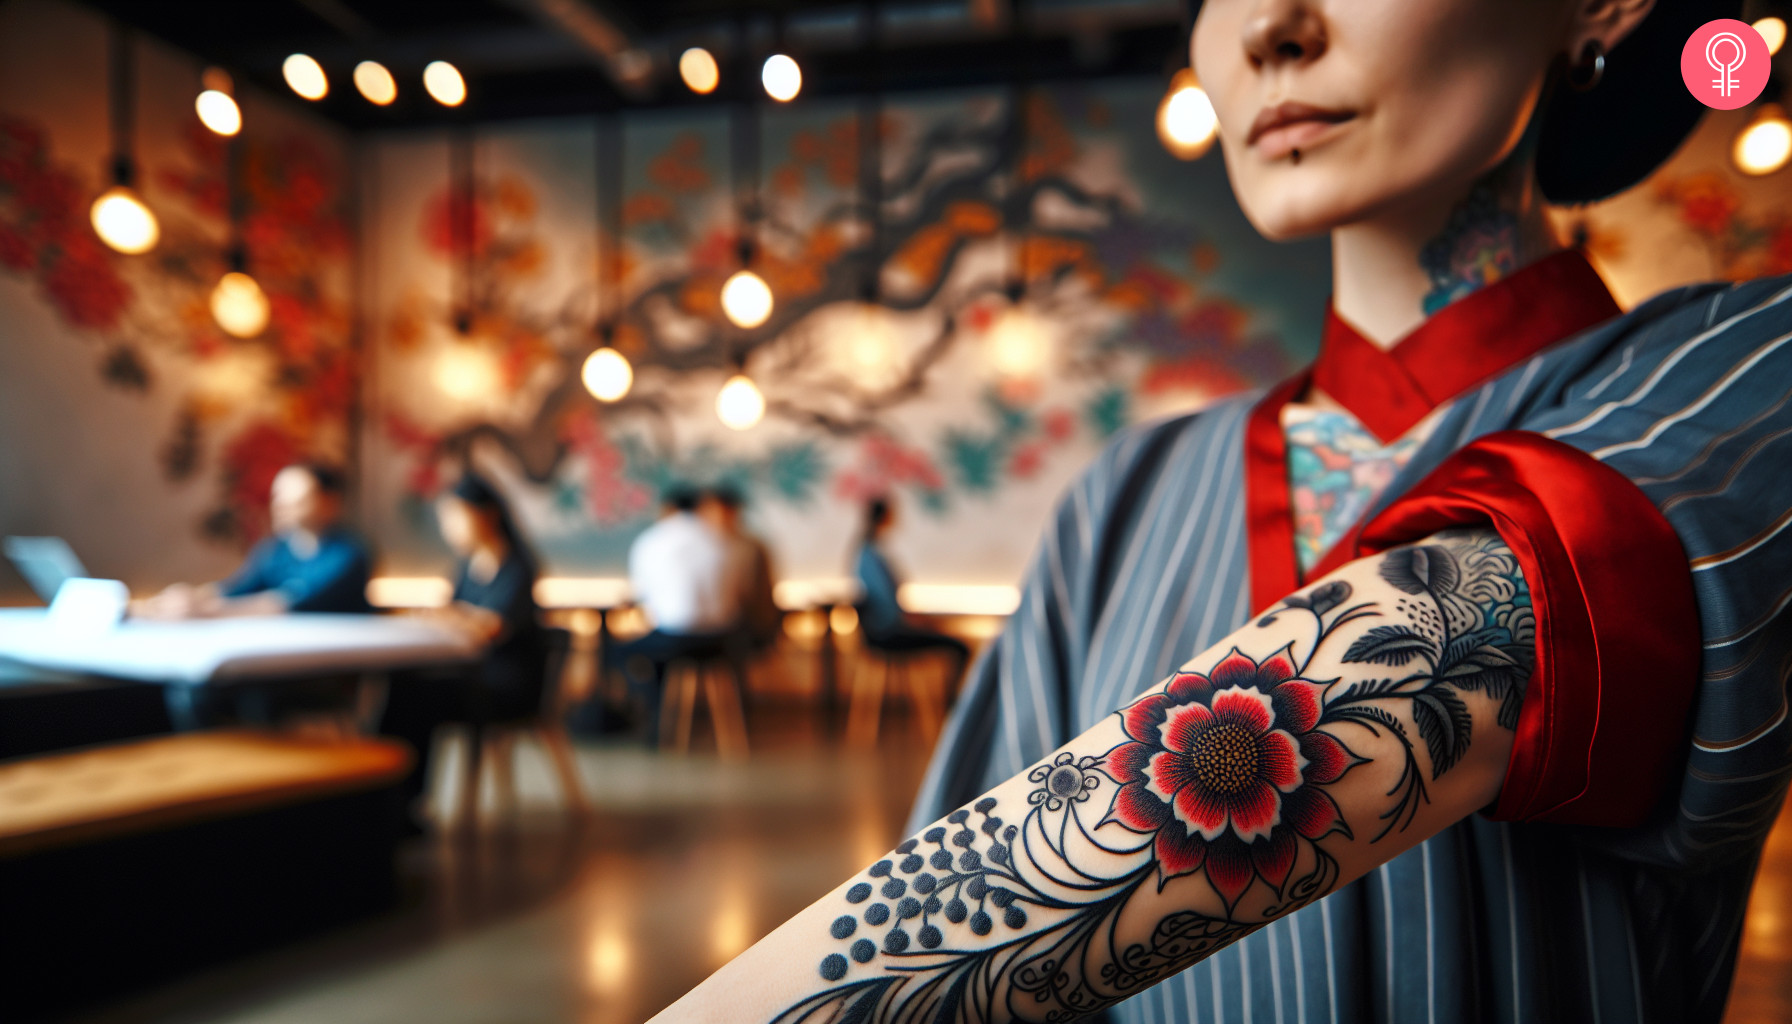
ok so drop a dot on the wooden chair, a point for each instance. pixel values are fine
(720, 678)
(870, 690)
(494, 744)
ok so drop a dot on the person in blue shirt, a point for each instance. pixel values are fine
(886, 625)
(311, 562)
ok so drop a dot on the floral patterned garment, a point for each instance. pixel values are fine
(1336, 471)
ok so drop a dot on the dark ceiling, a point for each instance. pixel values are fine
(525, 58)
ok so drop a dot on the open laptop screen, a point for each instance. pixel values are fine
(45, 562)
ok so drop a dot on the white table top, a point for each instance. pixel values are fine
(231, 650)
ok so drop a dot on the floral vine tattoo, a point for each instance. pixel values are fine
(1222, 776)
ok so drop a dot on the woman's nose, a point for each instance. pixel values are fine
(1283, 32)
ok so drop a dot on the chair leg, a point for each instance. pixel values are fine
(867, 701)
(726, 710)
(468, 817)
(929, 707)
(559, 747)
(681, 678)
(669, 694)
(501, 751)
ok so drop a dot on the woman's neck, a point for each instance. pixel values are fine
(1390, 273)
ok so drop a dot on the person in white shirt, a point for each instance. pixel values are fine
(683, 576)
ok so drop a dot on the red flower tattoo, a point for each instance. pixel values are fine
(1224, 769)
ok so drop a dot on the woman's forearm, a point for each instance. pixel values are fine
(1349, 723)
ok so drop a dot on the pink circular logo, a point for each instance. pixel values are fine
(1725, 64)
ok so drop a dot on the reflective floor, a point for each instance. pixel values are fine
(687, 861)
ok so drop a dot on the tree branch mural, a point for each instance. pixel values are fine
(1121, 287)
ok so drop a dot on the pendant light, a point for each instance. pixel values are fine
(871, 352)
(238, 304)
(119, 215)
(1765, 145)
(444, 83)
(746, 298)
(1017, 342)
(697, 67)
(216, 104)
(1186, 122)
(305, 76)
(462, 189)
(606, 372)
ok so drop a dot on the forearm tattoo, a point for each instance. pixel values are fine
(1017, 912)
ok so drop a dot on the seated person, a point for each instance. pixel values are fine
(881, 616)
(310, 562)
(683, 578)
(760, 618)
(494, 603)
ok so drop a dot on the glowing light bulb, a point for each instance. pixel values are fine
(1766, 144)
(870, 353)
(306, 76)
(739, 405)
(747, 300)
(607, 374)
(465, 372)
(239, 305)
(442, 80)
(375, 83)
(123, 222)
(1773, 33)
(698, 69)
(219, 112)
(781, 77)
(1186, 122)
(1019, 344)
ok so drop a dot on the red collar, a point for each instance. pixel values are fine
(1389, 391)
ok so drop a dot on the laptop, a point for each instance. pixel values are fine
(45, 562)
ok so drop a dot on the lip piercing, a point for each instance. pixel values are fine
(1295, 153)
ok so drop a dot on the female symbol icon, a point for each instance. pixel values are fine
(1736, 52)
(1725, 83)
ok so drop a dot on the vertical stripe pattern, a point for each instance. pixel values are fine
(1144, 564)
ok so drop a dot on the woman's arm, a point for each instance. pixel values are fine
(1357, 718)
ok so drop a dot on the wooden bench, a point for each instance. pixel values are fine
(127, 864)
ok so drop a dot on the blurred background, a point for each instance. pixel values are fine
(806, 254)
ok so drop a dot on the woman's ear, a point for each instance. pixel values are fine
(1606, 22)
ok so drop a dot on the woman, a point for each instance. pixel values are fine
(1511, 752)
(887, 627)
(494, 603)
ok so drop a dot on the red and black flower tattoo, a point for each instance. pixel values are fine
(1222, 775)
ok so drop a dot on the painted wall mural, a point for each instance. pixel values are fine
(132, 423)
(1147, 293)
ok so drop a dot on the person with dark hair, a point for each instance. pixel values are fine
(886, 626)
(1490, 727)
(759, 619)
(683, 577)
(309, 562)
(493, 602)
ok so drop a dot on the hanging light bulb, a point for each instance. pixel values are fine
(1773, 33)
(739, 405)
(607, 374)
(124, 222)
(444, 83)
(1766, 144)
(1186, 123)
(781, 77)
(375, 83)
(1019, 344)
(746, 299)
(306, 76)
(239, 305)
(216, 107)
(697, 67)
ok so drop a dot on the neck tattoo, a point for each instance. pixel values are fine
(1477, 247)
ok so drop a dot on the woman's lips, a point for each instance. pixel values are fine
(1285, 127)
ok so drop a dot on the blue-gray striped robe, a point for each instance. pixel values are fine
(1143, 565)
